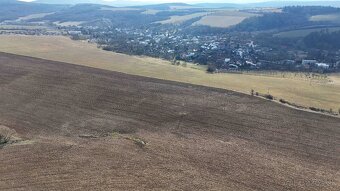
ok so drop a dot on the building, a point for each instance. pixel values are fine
(309, 62)
(74, 32)
(322, 65)
(227, 60)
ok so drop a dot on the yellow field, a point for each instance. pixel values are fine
(329, 17)
(151, 12)
(68, 23)
(223, 19)
(180, 19)
(34, 16)
(21, 27)
(321, 93)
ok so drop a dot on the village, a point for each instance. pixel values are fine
(222, 52)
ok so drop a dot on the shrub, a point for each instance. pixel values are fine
(5, 135)
(252, 92)
(314, 109)
(211, 68)
(257, 93)
(268, 96)
(283, 101)
(319, 110)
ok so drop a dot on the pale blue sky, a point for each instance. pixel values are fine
(206, 1)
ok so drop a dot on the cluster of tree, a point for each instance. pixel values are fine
(324, 40)
(310, 10)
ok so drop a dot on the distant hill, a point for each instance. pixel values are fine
(70, 1)
(270, 4)
(166, 6)
(218, 5)
(295, 3)
(202, 5)
(73, 2)
(11, 9)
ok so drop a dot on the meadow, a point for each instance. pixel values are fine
(223, 19)
(328, 17)
(307, 90)
(181, 19)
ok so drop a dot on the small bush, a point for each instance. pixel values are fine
(314, 109)
(5, 135)
(320, 110)
(283, 101)
(257, 93)
(4, 139)
(268, 96)
(252, 92)
(211, 68)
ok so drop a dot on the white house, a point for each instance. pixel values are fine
(323, 65)
(227, 60)
(233, 66)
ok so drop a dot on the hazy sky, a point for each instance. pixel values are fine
(205, 1)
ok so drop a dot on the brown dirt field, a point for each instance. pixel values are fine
(78, 127)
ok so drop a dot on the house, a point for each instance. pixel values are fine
(233, 66)
(227, 60)
(250, 63)
(322, 65)
(251, 44)
(74, 32)
(309, 62)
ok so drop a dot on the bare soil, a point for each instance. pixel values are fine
(90, 129)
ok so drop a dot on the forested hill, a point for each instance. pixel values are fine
(290, 18)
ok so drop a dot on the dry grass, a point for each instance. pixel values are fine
(69, 23)
(22, 27)
(224, 19)
(34, 16)
(181, 19)
(151, 12)
(329, 17)
(316, 93)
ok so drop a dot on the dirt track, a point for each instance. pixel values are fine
(79, 128)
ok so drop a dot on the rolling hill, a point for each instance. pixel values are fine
(12, 9)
